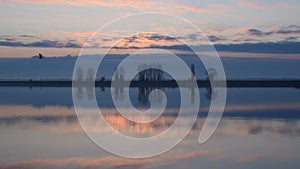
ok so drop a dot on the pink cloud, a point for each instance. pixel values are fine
(258, 55)
(287, 5)
(169, 6)
(111, 3)
(192, 9)
(253, 4)
(220, 6)
(252, 158)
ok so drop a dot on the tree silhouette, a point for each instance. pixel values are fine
(79, 74)
(193, 71)
(151, 72)
(119, 74)
(211, 74)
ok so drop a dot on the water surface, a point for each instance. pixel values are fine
(260, 129)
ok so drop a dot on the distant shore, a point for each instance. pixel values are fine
(162, 84)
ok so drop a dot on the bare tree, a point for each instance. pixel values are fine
(211, 74)
(193, 71)
(119, 74)
(151, 72)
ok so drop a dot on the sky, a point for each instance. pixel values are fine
(59, 28)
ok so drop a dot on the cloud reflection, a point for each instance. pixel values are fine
(47, 118)
(110, 161)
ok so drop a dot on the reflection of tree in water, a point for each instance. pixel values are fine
(211, 93)
(193, 95)
(119, 93)
(152, 73)
(211, 74)
(81, 77)
(90, 79)
(79, 93)
(144, 99)
(119, 75)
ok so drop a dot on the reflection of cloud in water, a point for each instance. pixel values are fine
(169, 160)
(235, 127)
(65, 117)
(256, 107)
(111, 161)
(238, 140)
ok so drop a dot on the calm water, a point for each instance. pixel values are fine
(260, 128)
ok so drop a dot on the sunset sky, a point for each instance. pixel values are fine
(58, 28)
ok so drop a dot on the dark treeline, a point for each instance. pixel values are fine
(165, 83)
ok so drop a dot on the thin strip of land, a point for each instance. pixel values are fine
(161, 84)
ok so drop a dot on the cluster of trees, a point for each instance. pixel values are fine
(147, 72)
(150, 72)
(153, 72)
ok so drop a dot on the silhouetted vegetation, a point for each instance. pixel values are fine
(151, 72)
(119, 74)
(193, 71)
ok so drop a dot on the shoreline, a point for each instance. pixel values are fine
(162, 84)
